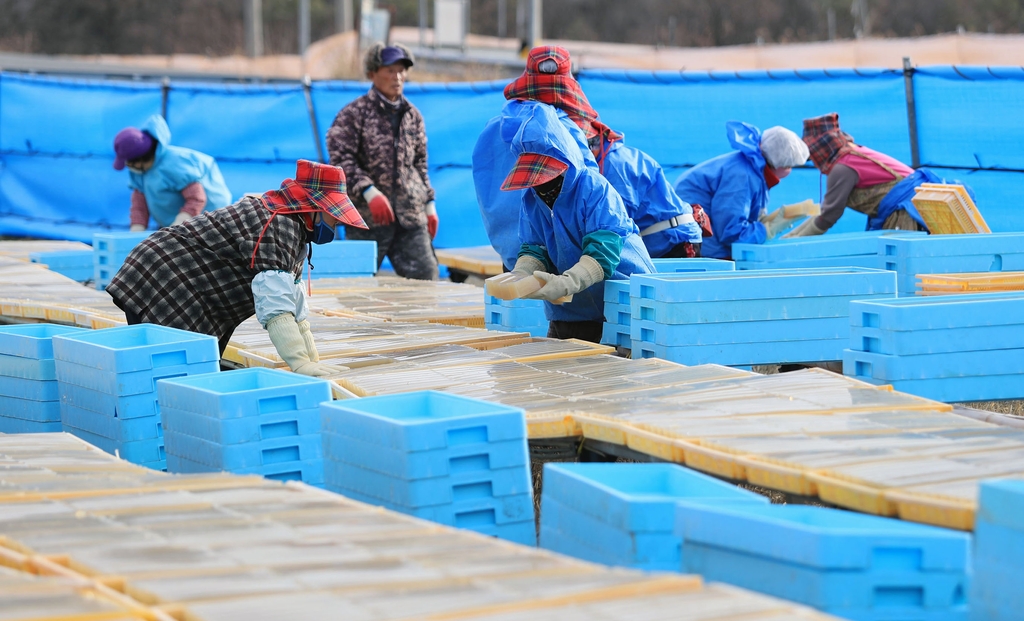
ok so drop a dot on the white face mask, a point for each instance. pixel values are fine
(136, 169)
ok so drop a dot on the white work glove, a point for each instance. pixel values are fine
(137, 228)
(181, 217)
(527, 264)
(575, 279)
(807, 229)
(291, 346)
(307, 338)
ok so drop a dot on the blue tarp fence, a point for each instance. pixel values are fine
(56, 134)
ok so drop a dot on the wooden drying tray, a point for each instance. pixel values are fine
(480, 260)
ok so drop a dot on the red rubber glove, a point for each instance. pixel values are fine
(432, 220)
(380, 206)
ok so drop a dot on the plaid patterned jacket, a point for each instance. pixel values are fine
(196, 276)
(363, 144)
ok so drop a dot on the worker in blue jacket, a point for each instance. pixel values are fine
(169, 184)
(733, 188)
(573, 228)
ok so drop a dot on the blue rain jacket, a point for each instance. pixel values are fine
(648, 196)
(492, 161)
(899, 197)
(587, 204)
(173, 169)
(733, 191)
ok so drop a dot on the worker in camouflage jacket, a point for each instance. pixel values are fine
(380, 141)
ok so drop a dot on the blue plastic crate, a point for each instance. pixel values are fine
(142, 405)
(565, 543)
(616, 292)
(347, 255)
(242, 430)
(118, 242)
(245, 392)
(671, 266)
(523, 532)
(995, 593)
(58, 260)
(514, 317)
(29, 409)
(741, 331)
(490, 300)
(429, 464)
(625, 547)
(957, 389)
(934, 366)
(938, 341)
(908, 269)
(1001, 502)
(621, 314)
(747, 310)
(32, 340)
(868, 595)
(140, 452)
(478, 513)
(417, 421)
(822, 538)
(35, 390)
(616, 335)
(452, 489)
(636, 497)
(249, 455)
(19, 425)
(860, 260)
(830, 245)
(745, 354)
(141, 347)
(127, 384)
(996, 544)
(310, 472)
(760, 284)
(904, 245)
(117, 429)
(27, 368)
(939, 312)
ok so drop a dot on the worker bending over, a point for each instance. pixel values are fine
(733, 188)
(214, 271)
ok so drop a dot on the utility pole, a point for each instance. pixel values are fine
(423, 24)
(831, 14)
(344, 20)
(303, 26)
(862, 19)
(536, 23)
(252, 13)
(502, 19)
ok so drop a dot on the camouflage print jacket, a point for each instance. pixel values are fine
(362, 142)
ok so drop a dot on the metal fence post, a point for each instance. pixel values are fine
(165, 91)
(306, 84)
(908, 83)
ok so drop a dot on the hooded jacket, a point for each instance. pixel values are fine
(733, 190)
(587, 217)
(173, 169)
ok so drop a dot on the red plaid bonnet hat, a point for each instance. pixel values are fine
(533, 169)
(316, 187)
(826, 141)
(548, 79)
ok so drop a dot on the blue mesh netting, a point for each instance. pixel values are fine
(56, 134)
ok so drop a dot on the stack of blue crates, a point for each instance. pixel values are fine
(617, 315)
(29, 394)
(625, 514)
(750, 317)
(75, 264)
(109, 250)
(910, 256)
(849, 565)
(250, 421)
(107, 381)
(515, 315)
(996, 594)
(345, 259)
(617, 312)
(453, 460)
(858, 249)
(948, 348)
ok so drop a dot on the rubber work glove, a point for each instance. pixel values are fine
(380, 206)
(291, 346)
(575, 279)
(307, 338)
(807, 229)
(137, 228)
(181, 217)
(527, 264)
(431, 211)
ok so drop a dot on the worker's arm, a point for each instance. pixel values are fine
(601, 252)
(841, 183)
(138, 215)
(343, 141)
(281, 309)
(730, 210)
